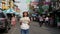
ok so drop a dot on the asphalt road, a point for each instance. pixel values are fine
(34, 29)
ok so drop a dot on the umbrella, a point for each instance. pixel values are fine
(16, 13)
(4, 11)
(10, 11)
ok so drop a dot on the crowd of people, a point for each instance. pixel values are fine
(26, 20)
(43, 20)
(47, 20)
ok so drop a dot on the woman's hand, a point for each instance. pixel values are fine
(29, 22)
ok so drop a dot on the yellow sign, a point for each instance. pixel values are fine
(11, 4)
(4, 7)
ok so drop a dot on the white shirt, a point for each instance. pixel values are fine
(25, 21)
(41, 19)
(46, 19)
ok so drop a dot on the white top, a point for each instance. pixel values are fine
(41, 19)
(46, 19)
(25, 21)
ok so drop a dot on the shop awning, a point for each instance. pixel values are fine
(9, 11)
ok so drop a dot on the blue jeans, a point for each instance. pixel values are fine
(24, 31)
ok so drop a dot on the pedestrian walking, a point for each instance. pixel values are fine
(41, 21)
(25, 23)
(13, 21)
(46, 21)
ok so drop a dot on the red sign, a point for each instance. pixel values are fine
(35, 3)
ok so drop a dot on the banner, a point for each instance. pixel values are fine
(45, 7)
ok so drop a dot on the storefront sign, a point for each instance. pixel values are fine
(47, 0)
(45, 7)
(47, 3)
(34, 3)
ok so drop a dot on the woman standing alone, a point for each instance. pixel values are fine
(25, 23)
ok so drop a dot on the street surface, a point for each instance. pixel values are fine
(34, 29)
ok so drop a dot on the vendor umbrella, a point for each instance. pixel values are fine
(10, 11)
(16, 13)
(4, 11)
